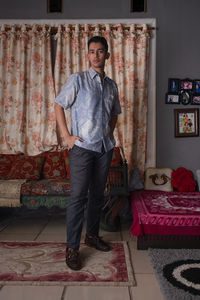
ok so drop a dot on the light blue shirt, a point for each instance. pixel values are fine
(92, 105)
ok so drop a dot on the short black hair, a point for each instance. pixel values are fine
(98, 39)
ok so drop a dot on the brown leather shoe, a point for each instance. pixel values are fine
(97, 242)
(73, 259)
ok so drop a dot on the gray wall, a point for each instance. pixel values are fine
(178, 52)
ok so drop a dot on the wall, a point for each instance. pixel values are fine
(178, 48)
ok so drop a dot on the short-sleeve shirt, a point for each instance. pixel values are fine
(92, 104)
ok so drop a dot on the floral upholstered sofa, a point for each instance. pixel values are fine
(44, 180)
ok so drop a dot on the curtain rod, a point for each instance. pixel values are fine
(54, 29)
(113, 27)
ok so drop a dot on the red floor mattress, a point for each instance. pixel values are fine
(165, 213)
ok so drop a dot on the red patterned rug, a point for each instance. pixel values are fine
(43, 263)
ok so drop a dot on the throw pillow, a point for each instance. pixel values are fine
(183, 180)
(66, 159)
(158, 179)
(26, 167)
(54, 166)
(5, 164)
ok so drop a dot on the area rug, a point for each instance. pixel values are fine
(178, 272)
(43, 263)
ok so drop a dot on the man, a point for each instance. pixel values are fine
(94, 103)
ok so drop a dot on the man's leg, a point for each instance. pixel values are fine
(81, 164)
(96, 193)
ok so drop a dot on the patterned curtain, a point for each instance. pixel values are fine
(27, 119)
(128, 66)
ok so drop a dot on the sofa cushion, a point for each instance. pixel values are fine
(66, 159)
(5, 164)
(26, 167)
(48, 187)
(54, 166)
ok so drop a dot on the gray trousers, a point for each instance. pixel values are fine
(88, 171)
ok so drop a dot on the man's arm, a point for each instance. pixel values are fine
(60, 117)
(112, 123)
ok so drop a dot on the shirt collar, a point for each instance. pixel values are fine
(93, 73)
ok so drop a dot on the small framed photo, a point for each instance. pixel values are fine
(195, 99)
(172, 98)
(173, 85)
(197, 86)
(186, 84)
(185, 97)
(186, 122)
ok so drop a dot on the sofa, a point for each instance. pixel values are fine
(44, 180)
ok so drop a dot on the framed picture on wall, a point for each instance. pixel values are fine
(186, 84)
(186, 122)
(185, 97)
(197, 86)
(173, 85)
(195, 99)
(172, 98)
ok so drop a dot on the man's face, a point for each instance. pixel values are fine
(97, 55)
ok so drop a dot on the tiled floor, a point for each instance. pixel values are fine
(50, 226)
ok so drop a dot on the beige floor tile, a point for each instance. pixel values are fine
(24, 227)
(31, 292)
(110, 236)
(29, 220)
(126, 235)
(133, 243)
(55, 228)
(51, 237)
(141, 261)
(58, 220)
(3, 226)
(106, 235)
(147, 288)
(17, 237)
(97, 293)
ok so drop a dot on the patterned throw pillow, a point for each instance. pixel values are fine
(66, 159)
(5, 164)
(158, 179)
(26, 167)
(116, 159)
(54, 166)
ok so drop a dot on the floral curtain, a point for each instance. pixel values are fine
(27, 119)
(128, 66)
